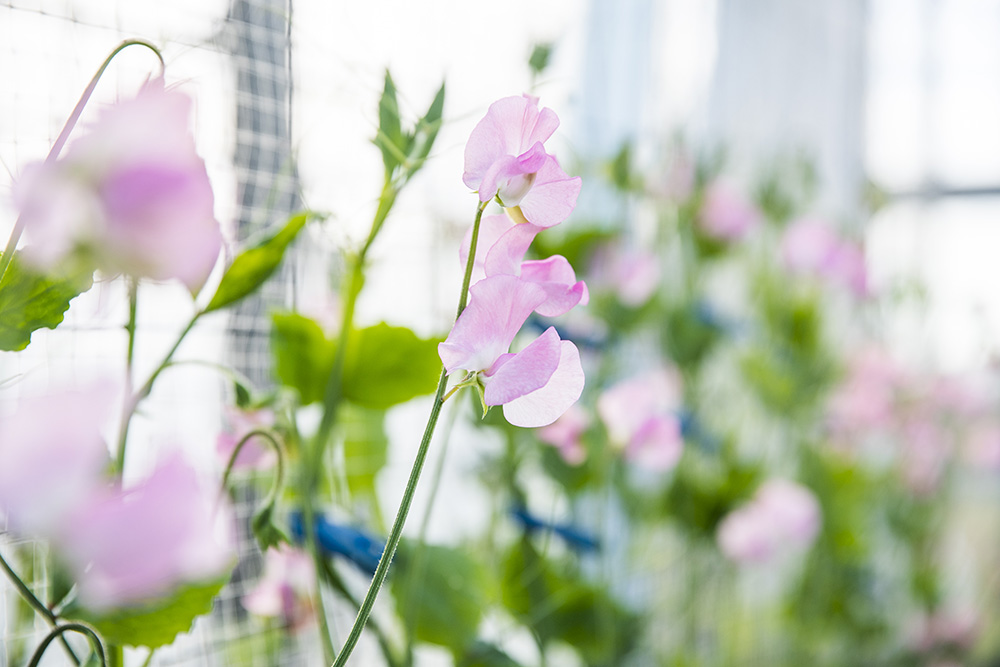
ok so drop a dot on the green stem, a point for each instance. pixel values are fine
(35, 604)
(132, 402)
(279, 471)
(133, 304)
(116, 656)
(58, 631)
(338, 585)
(396, 533)
(15, 234)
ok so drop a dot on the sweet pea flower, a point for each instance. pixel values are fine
(132, 194)
(537, 384)
(285, 590)
(811, 247)
(500, 250)
(253, 455)
(51, 455)
(727, 215)
(640, 414)
(782, 517)
(131, 546)
(564, 434)
(866, 397)
(632, 274)
(505, 159)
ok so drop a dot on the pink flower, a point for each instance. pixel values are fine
(500, 250)
(131, 546)
(52, 454)
(537, 384)
(782, 517)
(726, 214)
(632, 274)
(565, 432)
(810, 247)
(253, 454)
(505, 158)
(640, 416)
(285, 590)
(132, 193)
(865, 399)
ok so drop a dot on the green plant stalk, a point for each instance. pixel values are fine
(59, 631)
(383, 640)
(312, 464)
(132, 402)
(15, 234)
(116, 656)
(396, 532)
(35, 604)
(133, 304)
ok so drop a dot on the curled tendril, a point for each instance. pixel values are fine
(58, 631)
(274, 441)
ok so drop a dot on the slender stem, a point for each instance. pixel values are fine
(132, 402)
(309, 519)
(58, 631)
(15, 234)
(35, 604)
(338, 585)
(116, 656)
(149, 658)
(396, 532)
(133, 303)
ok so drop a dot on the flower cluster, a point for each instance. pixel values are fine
(123, 546)
(811, 247)
(641, 417)
(506, 161)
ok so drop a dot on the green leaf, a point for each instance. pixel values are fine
(366, 447)
(539, 59)
(254, 266)
(303, 356)
(440, 594)
(387, 365)
(155, 623)
(31, 300)
(426, 132)
(264, 529)
(390, 138)
(481, 654)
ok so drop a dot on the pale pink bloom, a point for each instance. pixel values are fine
(632, 274)
(285, 590)
(254, 454)
(505, 158)
(808, 247)
(131, 546)
(51, 455)
(132, 193)
(866, 397)
(565, 432)
(500, 250)
(640, 414)
(848, 268)
(982, 449)
(781, 518)
(726, 214)
(537, 384)
(954, 628)
(924, 454)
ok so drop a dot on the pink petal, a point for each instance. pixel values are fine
(557, 278)
(726, 214)
(628, 405)
(498, 306)
(524, 372)
(508, 252)
(552, 196)
(511, 126)
(545, 405)
(491, 228)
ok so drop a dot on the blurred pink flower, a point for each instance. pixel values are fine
(254, 454)
(132, 193)
(131, 546)
(924, 453)
(51, 455)
(951, 628)
(811, 247)
(726, 214)
(866, 397)
(632, 274)
(781, 517)
(640, 414)
(500, 250)
(537, 384)
(505, 158)
(285, 590)
(565, 432)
